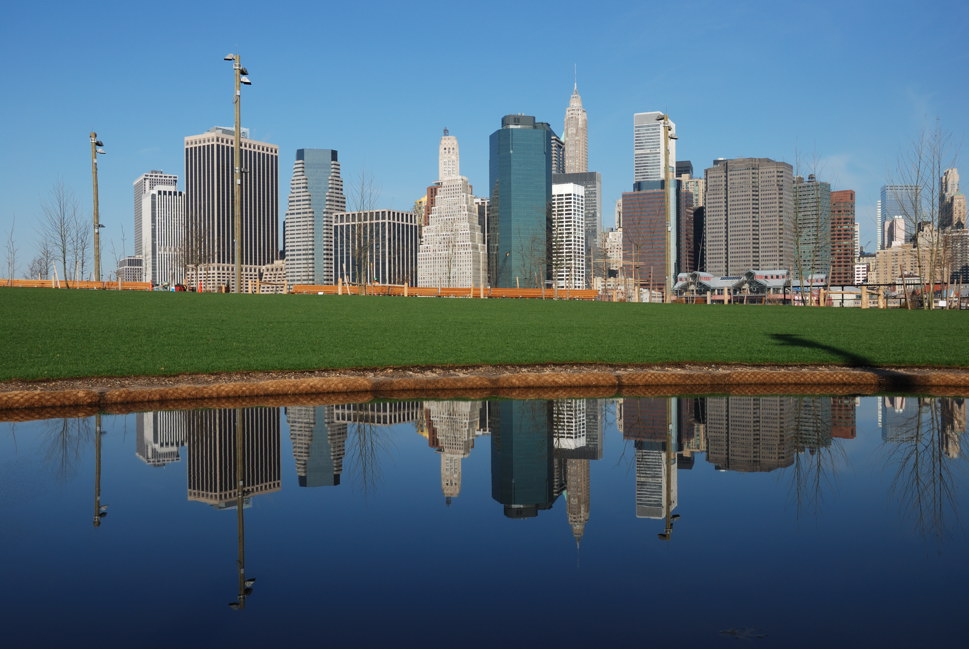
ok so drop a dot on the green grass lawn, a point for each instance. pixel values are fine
(48, 333)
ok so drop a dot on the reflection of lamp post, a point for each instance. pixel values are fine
(667, 180)
(245, 585)
(670, 467)
(96, 149)
(100, 511)
(241, 78)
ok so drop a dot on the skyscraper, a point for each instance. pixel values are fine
(452, 250)
(209, 202)
(376, 246)
(812, 222)
(576, 135)
(748, 216)
(143, 185)
(649, 146)
(568, 236)
(898, 201)
(952, 203)
(591, 181)
(316, 193)
(843, 237)
(163, 235)
(519, 218)
(645, 233)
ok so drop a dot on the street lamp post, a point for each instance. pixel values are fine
(667, 181)
(96, 149)
(240, 79)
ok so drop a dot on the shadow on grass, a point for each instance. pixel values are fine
(891, 380)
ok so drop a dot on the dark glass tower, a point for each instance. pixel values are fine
(521, 195)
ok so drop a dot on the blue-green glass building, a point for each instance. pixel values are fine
(520, 219)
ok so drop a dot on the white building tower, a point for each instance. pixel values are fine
(452, 252)
(649, 146)
(568, 236)
(163, 235)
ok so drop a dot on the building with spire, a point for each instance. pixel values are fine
(452, 250)
(576, 135)
(315, 195)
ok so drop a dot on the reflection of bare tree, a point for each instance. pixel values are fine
(367, 442)
(923, 482)
(816, 455)
(64, 440)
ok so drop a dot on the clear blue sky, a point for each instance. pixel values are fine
(849, 84)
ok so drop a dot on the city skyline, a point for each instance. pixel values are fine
(142, 127)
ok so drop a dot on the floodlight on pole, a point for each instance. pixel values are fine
(96, 150)
(240, 80)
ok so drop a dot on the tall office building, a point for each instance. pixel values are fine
(644, 233)
(898, 201)
(576, 135)
(812, 222)
(143, 186)
(558, 154)
(163, 235)
(519, 220)
(315, 195)
(376, 246)
(748, 216)
(649, 146)
(843, 237)
(894, 232)
(209, 200)
(952, 203)
(452, 249)
(591, 181)
(568, 236)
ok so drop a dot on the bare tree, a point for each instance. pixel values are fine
(40, 265)
(59, 227)
(362, 196)
(920, 169)
(11, 252)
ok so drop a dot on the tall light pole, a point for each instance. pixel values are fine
(667, 181)
(96, 149)
(241, 79)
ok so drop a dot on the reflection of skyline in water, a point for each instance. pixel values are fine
(540, 450)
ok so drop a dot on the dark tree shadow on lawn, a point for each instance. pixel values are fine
(892, 380)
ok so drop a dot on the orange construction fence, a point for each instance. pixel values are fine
(425, 291)
(53, 283)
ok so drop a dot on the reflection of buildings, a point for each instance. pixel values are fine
(953, 412)
(378, 413)
(750, 433)
(319, 445)
(451, 427)
(522, 476)
(212, 461)
(898, 417)
(654, 425)
(160, 434)
(577, 439)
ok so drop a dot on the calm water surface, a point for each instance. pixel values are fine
(775, 521)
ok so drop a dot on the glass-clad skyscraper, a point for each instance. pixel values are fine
(316, 193)
(521, 194)
(898, 201)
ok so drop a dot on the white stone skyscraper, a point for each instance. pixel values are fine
(452, 251)
(163, 236)
(143, 185)
(576, 135)
(649, 146)
(315, 195)
(568, 236)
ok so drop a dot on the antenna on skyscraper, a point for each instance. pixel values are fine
(575, 77)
